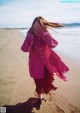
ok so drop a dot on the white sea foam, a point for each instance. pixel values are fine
(69, 42)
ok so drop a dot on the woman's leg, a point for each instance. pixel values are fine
(39, 87)
(39, 90)
(48, 80)
(39, 95)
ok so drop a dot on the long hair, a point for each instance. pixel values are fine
(45, 24)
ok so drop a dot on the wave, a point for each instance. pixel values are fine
(23, 27)
(71, 24)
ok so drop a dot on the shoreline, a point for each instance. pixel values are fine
(68, 57)
(16, 86)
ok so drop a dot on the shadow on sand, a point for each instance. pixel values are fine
(25, 107)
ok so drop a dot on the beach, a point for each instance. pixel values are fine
(17, 87)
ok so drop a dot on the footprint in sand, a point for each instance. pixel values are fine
(75, 111)
(59, 110)
(51, 96)
(72, 111)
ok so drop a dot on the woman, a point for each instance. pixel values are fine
(43, 61)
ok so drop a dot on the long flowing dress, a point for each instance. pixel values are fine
(43, 61)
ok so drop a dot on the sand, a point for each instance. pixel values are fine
(17, 88)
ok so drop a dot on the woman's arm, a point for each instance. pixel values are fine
(49, 40)
(27, 44)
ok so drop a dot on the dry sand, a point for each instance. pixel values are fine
(18, 89)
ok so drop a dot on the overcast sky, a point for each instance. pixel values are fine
(22, 12)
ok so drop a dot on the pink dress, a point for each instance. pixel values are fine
(41, 54)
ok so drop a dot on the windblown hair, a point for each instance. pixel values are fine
(46, 24)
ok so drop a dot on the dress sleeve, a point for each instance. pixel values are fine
(28, 42)
(49, 40)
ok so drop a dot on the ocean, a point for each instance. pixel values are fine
(68, 39)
